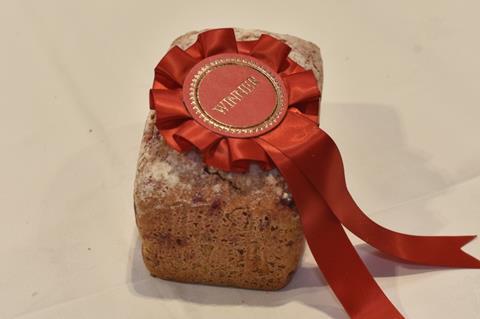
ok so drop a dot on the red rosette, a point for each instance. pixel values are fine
(244, 102)
(182, 132)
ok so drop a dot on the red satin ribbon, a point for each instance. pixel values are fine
(311, 164)
(320, 193)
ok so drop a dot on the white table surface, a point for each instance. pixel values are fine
(401, 98)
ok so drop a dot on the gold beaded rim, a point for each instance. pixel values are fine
(273, 119)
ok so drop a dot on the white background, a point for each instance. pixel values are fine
(401, 98)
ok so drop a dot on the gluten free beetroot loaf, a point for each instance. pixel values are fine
(202, 225)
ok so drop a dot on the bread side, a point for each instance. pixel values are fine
(201, 225)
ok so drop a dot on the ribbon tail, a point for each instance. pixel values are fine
(427, 250)
(335, 255)
(319, 159)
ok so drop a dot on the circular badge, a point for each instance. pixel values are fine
(235, 95)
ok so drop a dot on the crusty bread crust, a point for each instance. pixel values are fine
(201, 225)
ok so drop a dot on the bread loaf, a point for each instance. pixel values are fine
(201, 225)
